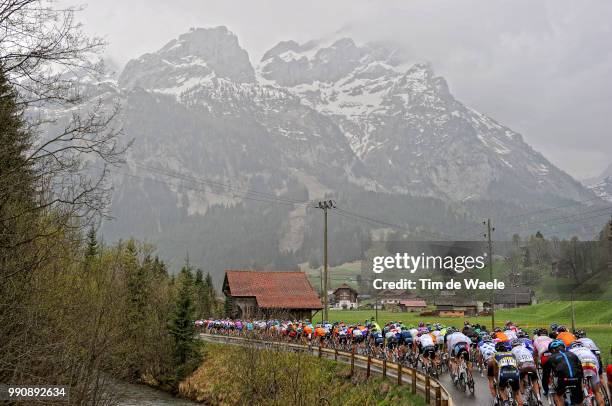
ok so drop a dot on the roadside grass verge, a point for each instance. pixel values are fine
(232, 375)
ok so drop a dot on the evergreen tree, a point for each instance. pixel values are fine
(182, 327)
(92, 245)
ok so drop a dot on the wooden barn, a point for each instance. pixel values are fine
(261, 294)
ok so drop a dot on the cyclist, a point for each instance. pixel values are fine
(458, 347)
(553, 330)
(500, 335)
(427, 348)
(504, 366)
(510, 332)
(438, 337)
(486, 350)
(567, 369)
(590, 344)
(540, 345)
(524, 339)
(565, 336)
(527, 367)
(590, 367)
(406, 337)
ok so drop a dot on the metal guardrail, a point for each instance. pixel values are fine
(433, 391)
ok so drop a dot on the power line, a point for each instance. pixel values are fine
(214, 183)
(204, 190)
(568, 220)
(391, 225)
(530, 213)
(554, 219)
(533, 212)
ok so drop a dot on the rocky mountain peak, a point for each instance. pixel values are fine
(291, 64)
(199, 53)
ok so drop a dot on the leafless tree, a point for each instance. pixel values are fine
(43, 54)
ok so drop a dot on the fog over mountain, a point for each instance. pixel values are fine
(228, 157)
(540, 67)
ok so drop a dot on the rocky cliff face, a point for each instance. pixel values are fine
(413, 136)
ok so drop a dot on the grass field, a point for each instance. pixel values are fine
(594, 317)
(345, 273)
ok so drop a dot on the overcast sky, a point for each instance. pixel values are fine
(543, 68)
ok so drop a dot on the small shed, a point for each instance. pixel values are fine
(516, 297)
(454, 304)
(412, 305)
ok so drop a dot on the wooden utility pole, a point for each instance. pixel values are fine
(490, 247)
(325, 205)
(610, 245)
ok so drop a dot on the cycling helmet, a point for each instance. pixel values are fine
(575, 344)
(501, 347)
(497, 330)
(486, 338)
(561, 329)
(553, 326)
(515, 343)
(543, 332)
(556, 345)
(521, 334)
(580, 334)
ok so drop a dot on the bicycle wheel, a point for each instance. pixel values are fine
(470, 384)
(462, 382)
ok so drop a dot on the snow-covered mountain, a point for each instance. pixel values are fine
(355, 123)
(602, 184)
(413, 136)
(603, 188)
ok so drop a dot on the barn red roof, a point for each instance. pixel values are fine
(286, 290)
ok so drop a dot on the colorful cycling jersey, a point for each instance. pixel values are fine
(522, 354)
(414, 332)
(527, 343)
(456, 338)
(586, 356)
(540, 343)
(501, 336)
(357, 332)
(389, 335)
(425, 340)
(566, 337)
(487, 349)
(588, 343)
(510, 334)
(438, 336)
(505, 360)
